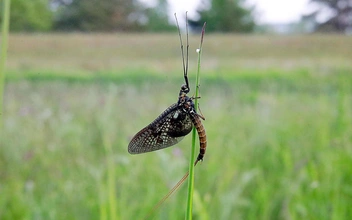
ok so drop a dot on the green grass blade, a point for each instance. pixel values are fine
(192, 159)
(111, 179)
(4, 37)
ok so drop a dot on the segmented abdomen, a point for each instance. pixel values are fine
(202, 136)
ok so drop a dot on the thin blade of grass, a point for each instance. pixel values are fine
(192, 159)
(4, 37)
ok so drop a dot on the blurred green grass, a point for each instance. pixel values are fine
(89, 55)
(278, 113)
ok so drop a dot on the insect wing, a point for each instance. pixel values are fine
(165, 131)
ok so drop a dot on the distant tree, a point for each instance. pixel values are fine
(97, 15)
(225, 16)
(337, 13)
(156, 18)
(33, 15)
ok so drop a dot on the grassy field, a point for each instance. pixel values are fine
(278, 120)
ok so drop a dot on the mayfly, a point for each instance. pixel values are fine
(175, 122)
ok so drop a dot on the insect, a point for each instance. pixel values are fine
(175, 122)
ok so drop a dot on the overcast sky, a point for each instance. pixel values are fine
(269, 11)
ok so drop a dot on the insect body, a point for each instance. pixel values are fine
(170, 127)
(175, 122)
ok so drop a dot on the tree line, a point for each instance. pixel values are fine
(133, 15)
(120, 15)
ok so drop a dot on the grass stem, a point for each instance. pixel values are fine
(111, 179)
(194, 135)
(4, 38)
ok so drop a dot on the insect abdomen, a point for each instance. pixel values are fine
(202, 136)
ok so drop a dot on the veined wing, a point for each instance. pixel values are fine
(166, 130)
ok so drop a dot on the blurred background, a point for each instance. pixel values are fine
(82, 77)
(236, 16)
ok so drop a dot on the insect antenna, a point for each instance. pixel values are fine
(187, 49)
(184, 63)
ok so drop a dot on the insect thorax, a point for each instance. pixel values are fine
(180, 123)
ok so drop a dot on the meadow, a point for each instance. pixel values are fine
(278, 121)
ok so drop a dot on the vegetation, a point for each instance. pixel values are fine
(277, 118)
(34, 15)
(97, 15)
(3, 51)
(226, 16)
(331, 16)
(118, 16)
